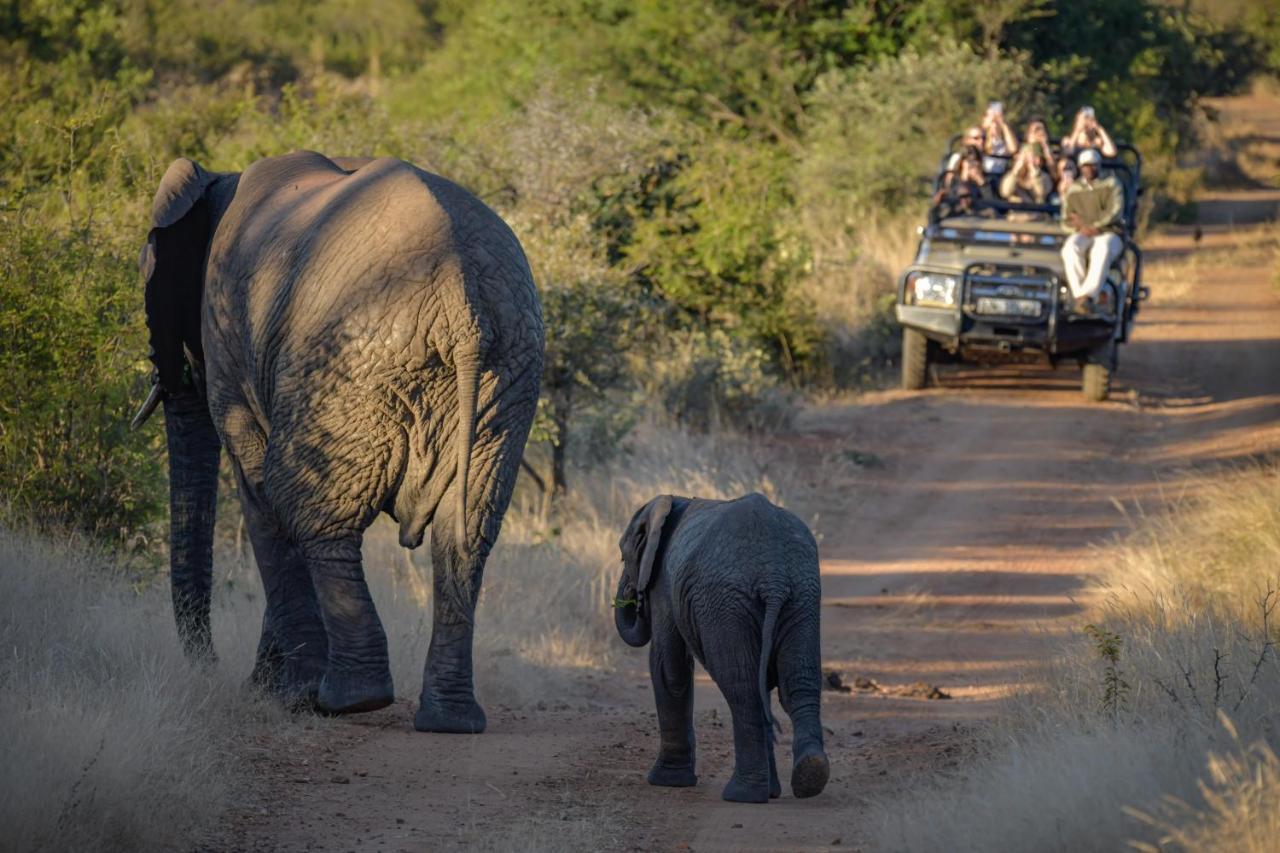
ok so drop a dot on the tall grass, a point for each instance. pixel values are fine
(111, 741)
(1167, 741)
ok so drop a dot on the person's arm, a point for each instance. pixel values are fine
(1072, 140)
(1067, 212)
(1044, 182)
(1010, 138)
(1009, 185)
(1107, 147)
(953, 163)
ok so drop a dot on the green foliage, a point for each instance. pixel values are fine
(673, 170)
(1115, 690)
(877, 132)
(1140, 64)
(591, 328)
(70, 322)
(202, 41)
(724, 252)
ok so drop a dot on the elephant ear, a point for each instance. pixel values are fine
(656, 516)
(172, 264)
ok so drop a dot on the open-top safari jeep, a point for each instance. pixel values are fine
(987, 285)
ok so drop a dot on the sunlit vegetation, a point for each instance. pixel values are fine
(700, 180)
(1156, 728)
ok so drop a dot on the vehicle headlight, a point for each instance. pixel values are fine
(934, 289)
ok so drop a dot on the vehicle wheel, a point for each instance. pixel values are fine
(915, 360)
(1096, 382)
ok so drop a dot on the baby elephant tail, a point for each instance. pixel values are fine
(772, 607)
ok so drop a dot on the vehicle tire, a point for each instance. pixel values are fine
(915, 360)
(1096, 382)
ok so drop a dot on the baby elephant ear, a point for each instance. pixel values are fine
(659, 508)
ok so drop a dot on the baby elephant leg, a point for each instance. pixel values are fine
(800, 689)
(753, 771)
(671, 670)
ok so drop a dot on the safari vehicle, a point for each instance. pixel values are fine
(988, 286)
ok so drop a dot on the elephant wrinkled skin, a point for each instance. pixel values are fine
(734, 584)
(361, 337)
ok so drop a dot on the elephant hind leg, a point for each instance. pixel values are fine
(800, 690)
(325, 474)
(735, 672)
(448, 703)
(293, 651)
(357, 677)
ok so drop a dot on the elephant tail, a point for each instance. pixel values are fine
(467, 363)
(772, 607)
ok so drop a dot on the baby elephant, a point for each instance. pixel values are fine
(734, 584)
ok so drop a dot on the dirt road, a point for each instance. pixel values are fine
(957, 538)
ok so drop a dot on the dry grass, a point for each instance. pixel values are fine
(855, 272)
(1073, 767)
(1213, 553)
(1173, 281)
(111, 741)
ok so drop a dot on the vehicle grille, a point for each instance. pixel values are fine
(989, 287)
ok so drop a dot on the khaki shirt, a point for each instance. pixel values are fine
(1098, 203)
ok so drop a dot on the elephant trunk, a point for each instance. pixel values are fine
(632, 627)
(194, 451)
(467, 363)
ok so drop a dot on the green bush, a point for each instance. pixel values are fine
(877, 133)
(70, 376)
(591, 327)
(691, 179)
(723, 251)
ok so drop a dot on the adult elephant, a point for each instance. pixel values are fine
(362, 337)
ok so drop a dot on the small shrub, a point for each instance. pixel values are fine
(708, 381)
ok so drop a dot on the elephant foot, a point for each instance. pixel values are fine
(672, 776)
(740, 791)
(810, 773)
(299, 684)
(455, 718)
(354, 693)
(775, 786)
(295, 682)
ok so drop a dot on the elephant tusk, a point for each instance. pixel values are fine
(148, 407)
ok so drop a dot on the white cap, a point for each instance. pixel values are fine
(1089, 156)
